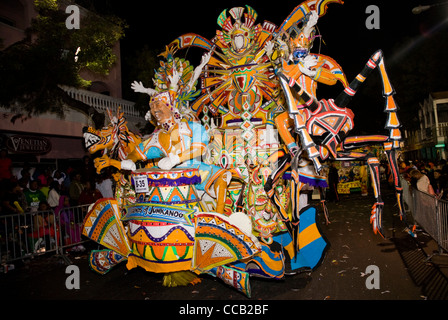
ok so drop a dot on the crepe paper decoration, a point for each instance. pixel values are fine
(170, 262)
(180, 278)
(159, 177)
(332, 122)
(161, 229)
(238, 82)
(312, 245)
(308, 176)
(159, 213)
(116, 137)
(174, 187)
(235, 278)
(102, 224)
(269, 263)
(191, 39)
(102, 261)
(299, 12)
(220, 240)
(264, 216)
(162, 236)
(253, 78)
(164, 247)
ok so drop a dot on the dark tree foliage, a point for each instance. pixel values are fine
(51, 55)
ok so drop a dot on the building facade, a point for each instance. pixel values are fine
(429, 142)
(47, 138)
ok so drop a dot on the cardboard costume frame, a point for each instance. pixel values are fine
(217, 190)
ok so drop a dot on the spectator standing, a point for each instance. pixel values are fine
(333, 181)
(65, 186)
(440, 184)
(87, 169)
(12, 198)
(105, 185)
(443, 166)
(59, 176)
(25, 178)
(71, 229)
(90, 194)
(5, 165)
(422, 182)
(46, 188)
(75, 189)
(45, 177)
(43, 227)
(54, 194)
(34, 196)
(406, 167)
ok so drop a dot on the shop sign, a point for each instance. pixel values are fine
(28, 144)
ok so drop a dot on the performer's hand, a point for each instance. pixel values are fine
(309, 61)
(294, 151)
(148, 116)
(306, 64)
(205, 59)
(169, 162)
(101, 163)
(139, 87)
(269, 47)
(174, 79)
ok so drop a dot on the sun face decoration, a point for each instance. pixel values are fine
(239, 37)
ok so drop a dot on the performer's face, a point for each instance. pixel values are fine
(160, 111)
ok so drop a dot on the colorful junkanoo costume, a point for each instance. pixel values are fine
(181, 144)
(255, 80)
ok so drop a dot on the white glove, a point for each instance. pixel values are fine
(174, 79)
(168, 162)
(205, 59)
(309, 61)
(269, 47)
(306, 64)
(139, 87)
(197, 72)
(148, 116)
(128, 165)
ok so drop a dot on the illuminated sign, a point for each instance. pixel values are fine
(28, 144)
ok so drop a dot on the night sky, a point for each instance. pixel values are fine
(343, 29)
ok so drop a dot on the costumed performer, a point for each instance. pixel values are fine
(177, 143)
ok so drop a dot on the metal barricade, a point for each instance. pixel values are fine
(29, 234)
(407, 196)
(442, 209)
(70, 221)
(425, 213)
(429, 213)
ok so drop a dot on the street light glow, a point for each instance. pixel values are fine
(420, 9)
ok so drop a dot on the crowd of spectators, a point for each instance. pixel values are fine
(427, 176)
(25, 189)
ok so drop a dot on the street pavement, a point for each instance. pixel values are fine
(401, 265)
